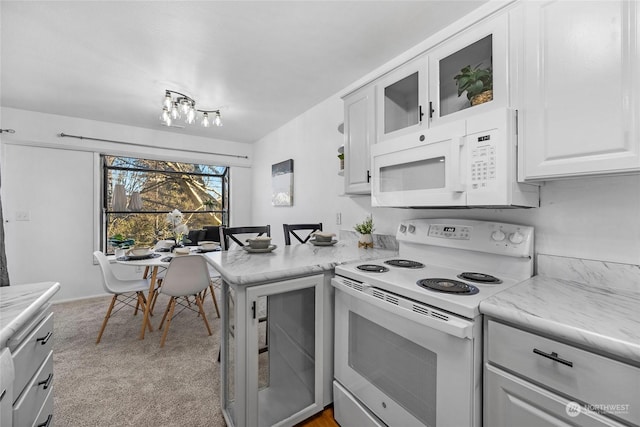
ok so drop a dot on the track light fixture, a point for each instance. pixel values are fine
(177, 105)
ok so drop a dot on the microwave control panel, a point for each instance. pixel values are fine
(482, 159)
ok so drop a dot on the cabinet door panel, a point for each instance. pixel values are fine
(359, 132)
(484, 45)
(580, 90)
(401, 100)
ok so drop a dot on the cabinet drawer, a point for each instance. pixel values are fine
(31, 352)
(28, 405)
(586, 376)
(45, 417)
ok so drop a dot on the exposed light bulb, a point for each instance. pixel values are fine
(175, 113)
(191, 115)
(185, 105)
(167, 100)
(205, 120)
(218, 120)
(165, 115)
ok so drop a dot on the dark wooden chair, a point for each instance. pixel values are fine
(228, 234)
(290, 230)
(211, 233)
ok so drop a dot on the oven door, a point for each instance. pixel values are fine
(391, 355)
(425, 169)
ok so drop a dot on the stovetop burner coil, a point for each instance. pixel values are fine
(479, 277)
(448, 286)
(373, 268)
(404, 263)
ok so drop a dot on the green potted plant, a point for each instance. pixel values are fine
(209, 204)
(341, 157)
(365, 228)
(477, 82)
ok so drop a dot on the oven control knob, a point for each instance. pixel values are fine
(516, 238)
(498, 235)
(403, 228)
(411, 228)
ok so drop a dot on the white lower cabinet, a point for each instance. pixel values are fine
(32, 351)
(580, 112)
(273, 352)
(532, 380)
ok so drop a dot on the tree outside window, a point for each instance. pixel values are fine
(138, 194)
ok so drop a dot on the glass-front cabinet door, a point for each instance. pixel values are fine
(401, 98)
(284, 362)
(469, 72)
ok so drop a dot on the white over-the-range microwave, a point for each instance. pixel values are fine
(468, 163)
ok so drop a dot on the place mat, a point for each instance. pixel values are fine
(137, 258)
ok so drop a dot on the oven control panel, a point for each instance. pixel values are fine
(481, 236)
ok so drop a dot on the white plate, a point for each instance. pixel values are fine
(259, 251)
(313, 242)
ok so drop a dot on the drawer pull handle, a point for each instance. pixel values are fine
(45, 338)
(46, 423)
(553, 356)
(46, 382)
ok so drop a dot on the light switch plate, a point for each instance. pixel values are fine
(23, 216)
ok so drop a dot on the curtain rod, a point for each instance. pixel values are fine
(64, 135)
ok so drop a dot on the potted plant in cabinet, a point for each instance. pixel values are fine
(477, 82)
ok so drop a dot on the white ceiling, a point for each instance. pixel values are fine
(263, 62)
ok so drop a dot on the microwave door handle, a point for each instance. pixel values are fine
(456, 184)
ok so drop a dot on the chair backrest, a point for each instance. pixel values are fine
(212, 233)
(290, 230)
(228, 234)
(186, 275)
(108, 277)
(194, 237)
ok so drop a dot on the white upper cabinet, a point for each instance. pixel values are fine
(477, 61)
(402, 100)
(580, 89)
(359, 134)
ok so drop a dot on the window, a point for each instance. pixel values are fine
(138, 194)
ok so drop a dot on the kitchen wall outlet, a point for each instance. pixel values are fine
(339, 218)
(23, 216)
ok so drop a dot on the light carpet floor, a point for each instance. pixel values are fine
(124, 381)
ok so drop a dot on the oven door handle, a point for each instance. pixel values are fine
(425, 315)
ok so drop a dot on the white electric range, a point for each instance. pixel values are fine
(408, 328)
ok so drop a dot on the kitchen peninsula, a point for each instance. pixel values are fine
(277, 341)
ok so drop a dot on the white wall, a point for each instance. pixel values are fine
(312, 141)
(56, 180)
(591, 218)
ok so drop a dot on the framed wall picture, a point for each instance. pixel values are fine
(282, 183)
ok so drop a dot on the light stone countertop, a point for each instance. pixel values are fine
(239, 267)
(600, 315)
(19, 302)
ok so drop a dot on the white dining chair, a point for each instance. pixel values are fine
(187, 276)
(124, 291)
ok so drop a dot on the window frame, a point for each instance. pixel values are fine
(104, 193)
